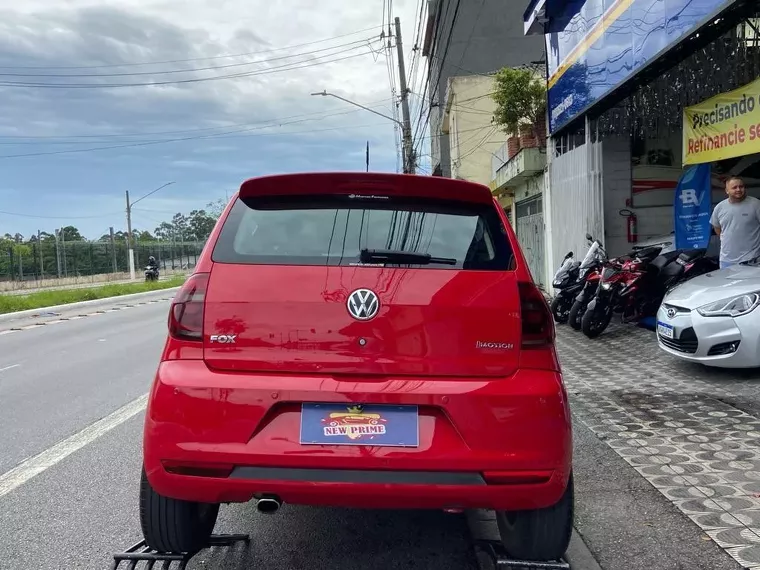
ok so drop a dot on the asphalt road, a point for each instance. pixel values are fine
(69, 478)
(58, 379)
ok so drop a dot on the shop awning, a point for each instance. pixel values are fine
(539, 12)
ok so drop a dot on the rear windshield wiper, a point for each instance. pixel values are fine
(402, 257)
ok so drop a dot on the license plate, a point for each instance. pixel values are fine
(351, 424)
(664, 330)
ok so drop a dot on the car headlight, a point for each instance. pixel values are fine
(606, 286)
(732, 307)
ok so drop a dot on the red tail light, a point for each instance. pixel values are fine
(186, 314)
(537, 321)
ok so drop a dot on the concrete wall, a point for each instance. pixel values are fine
(531, 187)
(79, 282)
(487, 36)
(472, 137)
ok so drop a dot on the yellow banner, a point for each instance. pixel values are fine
(724, 126)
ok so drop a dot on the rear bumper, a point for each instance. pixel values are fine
(504, 444)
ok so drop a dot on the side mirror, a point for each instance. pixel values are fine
(569, 255)
(589, 237)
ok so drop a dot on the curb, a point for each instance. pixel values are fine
(81, 304)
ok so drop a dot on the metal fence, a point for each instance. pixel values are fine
(50, 260)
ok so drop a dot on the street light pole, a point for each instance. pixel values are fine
(355, 104)
(406, 125)
(406, 129)
(130, 251)
(130, 246)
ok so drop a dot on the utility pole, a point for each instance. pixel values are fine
(57, 253)
(131, 252)
(113, 249)
(407, 126)
(129, 227)
(39, 249)
(63, 247)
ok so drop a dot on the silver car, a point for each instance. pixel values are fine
(712, 319)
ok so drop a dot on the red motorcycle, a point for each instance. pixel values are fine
(594, 268)
(634, 288)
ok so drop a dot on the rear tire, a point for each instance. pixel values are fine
(540, 535)
(171, 525)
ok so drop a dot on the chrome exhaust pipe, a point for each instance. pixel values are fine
(268, 505)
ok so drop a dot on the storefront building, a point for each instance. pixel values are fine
(622, 74)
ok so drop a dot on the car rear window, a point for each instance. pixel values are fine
(333, 230)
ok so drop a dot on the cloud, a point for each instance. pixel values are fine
(207, 135)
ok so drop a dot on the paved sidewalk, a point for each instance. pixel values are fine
(691, 432)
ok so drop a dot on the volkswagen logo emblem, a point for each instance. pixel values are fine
(363, 304)
(671, 312)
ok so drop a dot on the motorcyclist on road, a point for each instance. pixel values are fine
(152, 262)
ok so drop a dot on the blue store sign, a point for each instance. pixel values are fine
(692, 206)
(594, 46)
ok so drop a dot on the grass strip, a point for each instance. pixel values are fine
(42, 299)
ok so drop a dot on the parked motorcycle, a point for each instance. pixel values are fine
(151, 273)
(635, 288)
(565, 283)
(588, 278)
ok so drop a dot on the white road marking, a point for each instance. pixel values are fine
(33, 466)
(78, 317)
(9, 367)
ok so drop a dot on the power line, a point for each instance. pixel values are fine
(355, 44)
(210, 58)
(276, 69)
(119, 213)
(149, 143)
(445, 52)
(274, 122)
(59, 217)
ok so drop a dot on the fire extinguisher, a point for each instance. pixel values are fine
(632, 225)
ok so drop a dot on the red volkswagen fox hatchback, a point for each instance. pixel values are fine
(360, 340)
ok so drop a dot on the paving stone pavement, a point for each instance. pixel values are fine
(691, 431)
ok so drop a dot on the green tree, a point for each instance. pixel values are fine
(179, 227)
(216, 208)
(70, 233)
(520, 96)
(200, 224)
(164, 231)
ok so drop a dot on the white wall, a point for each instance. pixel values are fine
(616, 185)
(572, 203)
(652, 221)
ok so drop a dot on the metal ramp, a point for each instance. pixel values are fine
(500, 560)
(141, 552)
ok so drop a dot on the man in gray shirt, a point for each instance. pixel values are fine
(737, 221)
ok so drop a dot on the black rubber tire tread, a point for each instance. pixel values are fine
(586, 325)
(174, 526)
(572, 318)
(540, 535)
(557, 303)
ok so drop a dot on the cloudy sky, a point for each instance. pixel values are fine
(97, 98)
